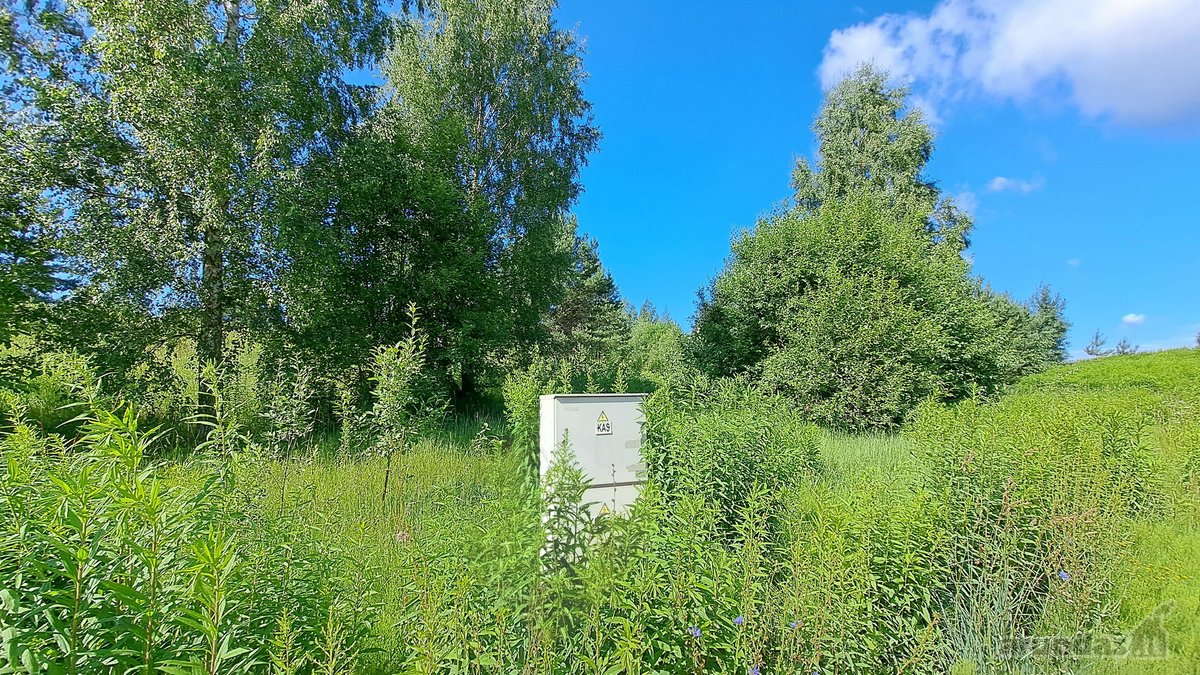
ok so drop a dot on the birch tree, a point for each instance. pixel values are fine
(502, 84)
(210, 109)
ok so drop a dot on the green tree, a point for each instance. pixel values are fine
(1098, 346)
(867, 140)
(856, 300)
(383, 223)
(1031, 335)
(871, 317)
(51, 135)
(501, 85)
(590, 319)
(655, 350)
(28, 268)
(403, 406)
(205, 113)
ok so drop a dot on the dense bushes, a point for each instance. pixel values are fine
(855, 299)
(39, 386)
(747, 549)
(1040, 493)
(858, 316)
(722, 441)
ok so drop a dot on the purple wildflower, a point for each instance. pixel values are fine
(739, 621)
(753, 670)
(1062, 575)
(793, 624)
(694, 631)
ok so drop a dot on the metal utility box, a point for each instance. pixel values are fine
(605, 433)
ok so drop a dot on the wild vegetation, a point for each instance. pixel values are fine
(273, 343)
(1068, 507)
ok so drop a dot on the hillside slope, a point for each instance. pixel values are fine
(1158, 577)
(1175, 370)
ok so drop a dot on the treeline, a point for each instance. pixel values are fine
(231, 171)
(229, 183)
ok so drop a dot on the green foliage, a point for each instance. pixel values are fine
(589, 322)
(759, 541)
(175, 172)
(522, 407)
(167, 135)
(655, 351)
(855, 300)
(40, 386)
(1041, 491)
(863, 316)
(868, 142)
(569, 527)
(403, 405)
(199, 207)
(110, 562)
(721, 441)
(165, 384)
(499, 87)
(289, 409)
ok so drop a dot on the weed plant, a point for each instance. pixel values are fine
(761, 543)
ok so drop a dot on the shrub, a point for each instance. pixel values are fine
(39, 386)
(165, 386)
(722, 440)
(404, 404)
(522, 407)
(289, 413)
(654, 352)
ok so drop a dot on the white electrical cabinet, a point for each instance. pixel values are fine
(605, 433)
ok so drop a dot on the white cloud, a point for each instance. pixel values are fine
(967, 201)
(1074, 262)
(1133, 319)
(1002, 184)
(1131, 60)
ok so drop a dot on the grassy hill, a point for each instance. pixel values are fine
(1160, 569)
(1175, 370)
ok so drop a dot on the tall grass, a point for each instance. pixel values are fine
(113, 564)
(761, 544)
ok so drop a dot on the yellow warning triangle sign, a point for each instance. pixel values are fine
(602, 417)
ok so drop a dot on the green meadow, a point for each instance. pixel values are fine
(966, 541)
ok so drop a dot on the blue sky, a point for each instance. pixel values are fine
(1070, 128)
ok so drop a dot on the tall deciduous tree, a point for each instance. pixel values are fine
(206, 110)
(499, 82)
(383, 224)
(856, 300)
(868, 140)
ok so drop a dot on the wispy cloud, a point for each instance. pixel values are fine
(967, 201)
(1003, 184)
(1111, 58)
(1133, 319)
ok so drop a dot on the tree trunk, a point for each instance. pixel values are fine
(211, 342)
(465, 394)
